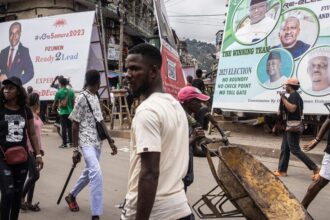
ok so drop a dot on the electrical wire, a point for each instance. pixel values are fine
(181, 22)
(205, 15)
(198, 21)
(174, 3)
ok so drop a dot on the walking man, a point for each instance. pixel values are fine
(199, 84)
(64, 98)
(293, 108)
(159, 145)
(323, 179)
(87, 140)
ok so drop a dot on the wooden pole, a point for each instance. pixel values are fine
(121, 43)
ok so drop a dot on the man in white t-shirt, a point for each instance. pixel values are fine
(159, 150)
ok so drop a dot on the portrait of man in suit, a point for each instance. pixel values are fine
(15, 59)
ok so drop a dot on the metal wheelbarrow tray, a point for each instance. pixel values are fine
(255, 192)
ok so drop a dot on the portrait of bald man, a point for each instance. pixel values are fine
(15, 59)
(289, 33)
(319, 72)
(273, 69)
(260, 25)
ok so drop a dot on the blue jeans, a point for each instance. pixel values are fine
(290, 143)
(91, 174)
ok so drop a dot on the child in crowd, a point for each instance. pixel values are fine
(28, 189)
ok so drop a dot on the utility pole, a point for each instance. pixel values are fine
(103, 44)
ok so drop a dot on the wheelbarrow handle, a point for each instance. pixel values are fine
(215, 124)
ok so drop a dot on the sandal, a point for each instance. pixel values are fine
(26, 206)
(316, 175)
(34, 208)
(280, 173)
(72, 203)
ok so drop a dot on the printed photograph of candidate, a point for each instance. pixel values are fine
(297, 33)
(15, 59)
(255, 19)
(314, 72)
(275, 68)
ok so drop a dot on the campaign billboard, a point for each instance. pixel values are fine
(172, 73)
(37, 50)
(265, 42)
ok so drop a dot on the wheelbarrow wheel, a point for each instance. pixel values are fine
(199, 152)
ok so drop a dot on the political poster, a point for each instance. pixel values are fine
(265, 42)
(172, 73)
(37, 50)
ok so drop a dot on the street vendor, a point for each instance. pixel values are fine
(191, 100)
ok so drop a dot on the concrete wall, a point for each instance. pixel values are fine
(37, 8)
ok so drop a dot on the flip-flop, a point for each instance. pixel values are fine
(72, 203)
(316, 175)
(24, 206)
(280, 173)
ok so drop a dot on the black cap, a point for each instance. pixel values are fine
(253, 2)
(274, 55)
(13, 80)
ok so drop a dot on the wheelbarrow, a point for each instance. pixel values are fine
(252, 189)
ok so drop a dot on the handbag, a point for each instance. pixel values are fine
(295, 125)
(99, 127)
(15, 155)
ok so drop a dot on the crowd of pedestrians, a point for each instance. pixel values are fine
(164, 136)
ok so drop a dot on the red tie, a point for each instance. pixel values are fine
(10, 61)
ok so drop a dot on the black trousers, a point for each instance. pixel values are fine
(290, 143)
(66, 125)
(189, 217)
(189, 178)
(12, 179)
(32, 179)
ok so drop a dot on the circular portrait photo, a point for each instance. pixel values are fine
(275, 68)
(255, 19)
(297, 32)
(314, 71)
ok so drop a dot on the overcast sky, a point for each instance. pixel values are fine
(199, 28)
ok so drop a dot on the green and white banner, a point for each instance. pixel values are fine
(266, 42)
